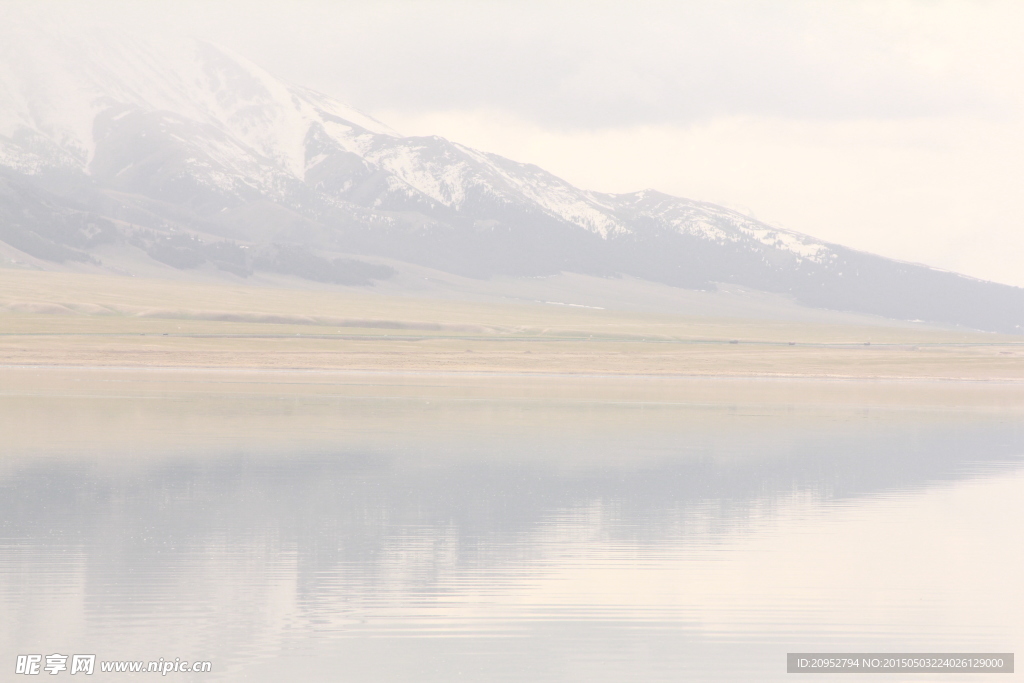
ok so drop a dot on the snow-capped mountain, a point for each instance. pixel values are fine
(194, 154)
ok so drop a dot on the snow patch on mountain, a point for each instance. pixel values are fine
(557, 197)
(428, 168)
(719, 225)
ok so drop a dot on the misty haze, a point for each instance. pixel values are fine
(428, 342)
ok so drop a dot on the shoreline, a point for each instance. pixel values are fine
(524, 374)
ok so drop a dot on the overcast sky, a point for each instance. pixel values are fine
(894, 127)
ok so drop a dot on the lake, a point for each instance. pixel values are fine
(314, 526)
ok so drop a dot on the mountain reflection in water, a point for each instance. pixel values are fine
(434, 529)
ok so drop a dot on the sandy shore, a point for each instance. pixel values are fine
(49, 319)
(515, 356)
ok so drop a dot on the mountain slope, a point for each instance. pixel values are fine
(195, 155)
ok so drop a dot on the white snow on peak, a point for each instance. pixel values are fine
(244, 127)
(269, 115)
(55, 83)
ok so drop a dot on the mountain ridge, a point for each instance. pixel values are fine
(199, 155)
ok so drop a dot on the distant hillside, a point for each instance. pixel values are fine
(197, 156)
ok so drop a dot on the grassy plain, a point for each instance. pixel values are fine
(68, 319)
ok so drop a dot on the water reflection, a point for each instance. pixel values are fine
(434, 529)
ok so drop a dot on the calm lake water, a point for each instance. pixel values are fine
(341, 527)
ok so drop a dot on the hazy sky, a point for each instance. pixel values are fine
(894, 127)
